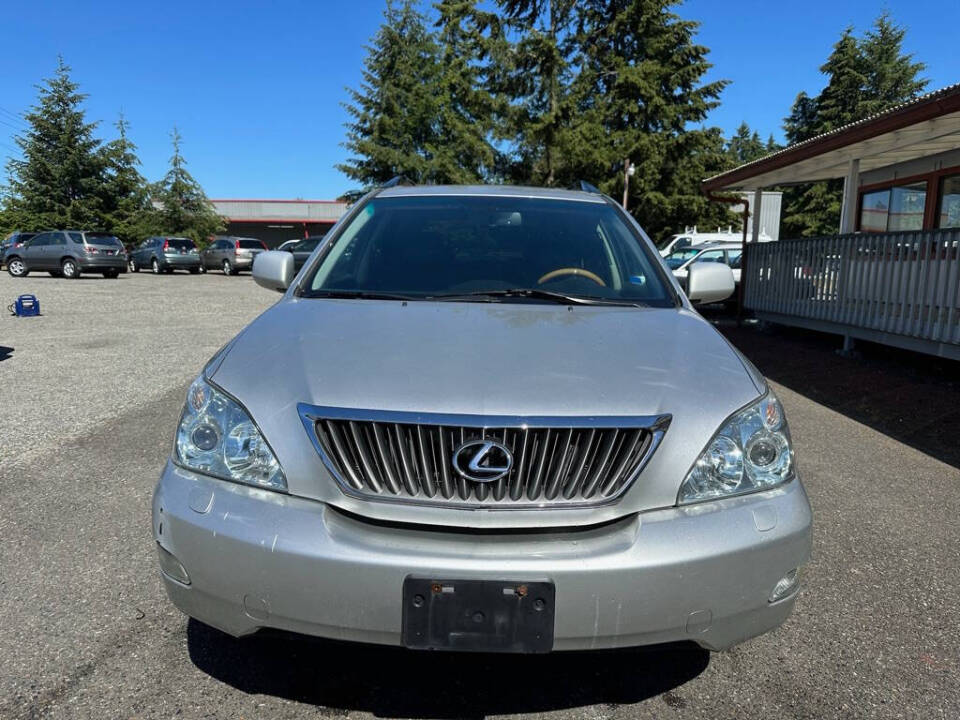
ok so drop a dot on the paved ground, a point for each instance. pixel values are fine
(88, 633)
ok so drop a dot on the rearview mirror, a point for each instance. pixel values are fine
(709, 282)
(273, 270)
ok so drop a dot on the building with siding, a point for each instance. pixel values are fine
(275, 221)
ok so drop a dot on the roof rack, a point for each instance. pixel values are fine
(587, 187)
(395, 181)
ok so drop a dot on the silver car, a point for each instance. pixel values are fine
(484, 419)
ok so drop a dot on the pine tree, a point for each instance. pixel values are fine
(537, 80)
(58, 181)
(641, 96)
(745, 146)
(801, 123)
(842, 100)
(891, 76)
(864, 77)
(463, 151)
(127, 212)
(185, 209)
(395, 113)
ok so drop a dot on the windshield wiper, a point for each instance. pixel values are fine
(533, 294)
(358, 295)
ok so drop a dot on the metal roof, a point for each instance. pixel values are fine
(924, 126)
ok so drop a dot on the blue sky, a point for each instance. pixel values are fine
(255, 88)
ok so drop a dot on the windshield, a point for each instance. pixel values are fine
(679, 257)
(464, 246)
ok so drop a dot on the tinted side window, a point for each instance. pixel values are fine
(40, 240)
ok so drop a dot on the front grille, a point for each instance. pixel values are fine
(409, 457)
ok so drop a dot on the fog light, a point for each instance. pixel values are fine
(786, 586)
(171, 567)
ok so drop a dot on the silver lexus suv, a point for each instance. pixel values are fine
(484, 419)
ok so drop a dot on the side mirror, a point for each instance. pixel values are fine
(273, 270)
(709, 282)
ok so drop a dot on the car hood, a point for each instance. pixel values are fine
(518, 359)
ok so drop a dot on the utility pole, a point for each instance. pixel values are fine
(628, 170)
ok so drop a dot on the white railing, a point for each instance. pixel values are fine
(889, 287)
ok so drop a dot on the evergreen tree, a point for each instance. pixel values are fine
(801, 123)
(463, 151)
(185, 209)
(891, 76)
(842, 100)
(127, 212)
(641, 95)
(58, 182)
(537, 80)
(746, 147)
(395, 113)
(864, 77)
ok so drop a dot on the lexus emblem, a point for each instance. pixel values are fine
(482, 460)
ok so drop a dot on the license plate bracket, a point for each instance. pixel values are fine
(478, 615)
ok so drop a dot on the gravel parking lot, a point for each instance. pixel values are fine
(90, 393)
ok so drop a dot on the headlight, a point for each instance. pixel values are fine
(216, 436)
(750, 452)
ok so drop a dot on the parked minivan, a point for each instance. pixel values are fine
(492, 421)
(231, 254)
(68, 253)
(165, 254)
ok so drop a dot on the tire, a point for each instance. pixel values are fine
(17, 268)
(155, 266)
(227, 268)
(111, 274)
(132, 266)
(202, 269)
(69, 269)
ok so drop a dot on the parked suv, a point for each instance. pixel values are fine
(166, 254)
(231, 254)
(68, 253)
(302, 250)
(14, 240)
(680, 259)
(492, 422)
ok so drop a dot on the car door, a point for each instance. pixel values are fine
(34, 254)
(209, 255)
(142, 254)
(734, 259)
(57, 248)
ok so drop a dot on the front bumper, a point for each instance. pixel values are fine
(260, 559)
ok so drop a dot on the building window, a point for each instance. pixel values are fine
(894, 209)
(948, 215)
(873, 211)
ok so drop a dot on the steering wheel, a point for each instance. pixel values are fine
(559, 272)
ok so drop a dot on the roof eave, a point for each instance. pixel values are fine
(936, 104)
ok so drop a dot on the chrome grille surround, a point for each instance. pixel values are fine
(406, 457)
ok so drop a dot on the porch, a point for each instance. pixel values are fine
(892, 273)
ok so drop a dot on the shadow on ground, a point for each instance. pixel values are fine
(393, 682)
(912, 397)
(5, 352)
